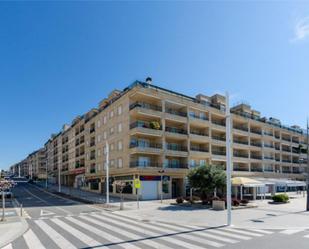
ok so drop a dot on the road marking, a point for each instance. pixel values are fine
(125, 233)
(167, 237)
(9, 246)
(55, 236)
(241, 232)
(76, 233)
(229, 234)
(101, 233)
(261, 231)
(291, 231)
(63, 210)
(32, 240)
(46, 212)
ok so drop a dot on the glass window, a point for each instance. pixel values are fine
(104, 120)
(119, 110)
(119, 145)
(120, 127)
(104, 134)
(119, 162)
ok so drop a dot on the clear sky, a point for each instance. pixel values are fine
(59, 59)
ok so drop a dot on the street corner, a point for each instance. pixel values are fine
(12, 228)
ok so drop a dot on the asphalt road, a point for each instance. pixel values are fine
(55, 222)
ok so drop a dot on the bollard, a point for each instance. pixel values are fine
(21, 210)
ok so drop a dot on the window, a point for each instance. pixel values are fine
(99, 123)
(99, 152)
(99, 138)
(112, 163)
(119, 110)
(112, 146)
(119, 145)
(104, 135)
(119, 162)
(111, 130)
(104, 120)
(111, 114)
(87, 156)
(202, 162)
(119, 127)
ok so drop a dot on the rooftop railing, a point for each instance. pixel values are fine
(145, 105)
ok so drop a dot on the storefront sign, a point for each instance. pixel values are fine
(154, 178)
(77, 171)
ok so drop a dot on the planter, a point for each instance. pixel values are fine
(218, 205)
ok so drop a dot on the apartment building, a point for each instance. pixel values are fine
(153, 132)
(150, 130)
(36, 162)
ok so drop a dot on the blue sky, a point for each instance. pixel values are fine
(59, 59)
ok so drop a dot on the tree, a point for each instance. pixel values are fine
(206, 179)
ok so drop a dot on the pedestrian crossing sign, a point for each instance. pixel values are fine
(137, 183)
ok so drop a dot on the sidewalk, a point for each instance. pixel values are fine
(265, 216)
(13, 226)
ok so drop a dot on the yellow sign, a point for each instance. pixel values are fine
(137, 183)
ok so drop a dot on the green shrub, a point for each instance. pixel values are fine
(284, 198)
(155, 125)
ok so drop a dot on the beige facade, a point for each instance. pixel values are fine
(149, 129)
(36, 162)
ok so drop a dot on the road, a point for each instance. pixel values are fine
(55, 222)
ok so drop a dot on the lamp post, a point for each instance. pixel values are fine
(161, 188)
(107, 174)
(228, 161)
(307, 176)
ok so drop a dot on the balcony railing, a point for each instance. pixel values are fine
(145, 105)
(142, 124)
(286, 149)
(193, 148)
(199, 133)
(240, 169)
(145, 164)
(268, 146)
(92, 157)
(92, 143)
(176, 112)
(240, 142)
(256, 157)
(235, 154)
(175, 130)
(176, 166)
(256, 132)
(241, 128)
(220, 138)
(176, 147)
(286, 161)
(286, 139)
(137, 144)
(205, 118)
(268, 133)
(268, 158)
(217, 122)
(92, 170)
(256, 144)
(218, 152)
(256, 169)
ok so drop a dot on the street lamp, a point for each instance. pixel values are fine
(161, 189)
(228, 161)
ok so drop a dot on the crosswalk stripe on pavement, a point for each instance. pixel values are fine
(9, 246)
(101, 233)
(242, 232)
(291, 231)
(54, 235)
(236, 236)
(32, 240)
(76, 233)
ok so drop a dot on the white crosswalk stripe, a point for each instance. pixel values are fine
(79, 235)
(106, 230)
(32, 240)
(144, 226)
(9, 246)
(291, 231)
(124, 232)
(107, 236)
(54, 235)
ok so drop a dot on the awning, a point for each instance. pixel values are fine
(281, 182)
(246, 182)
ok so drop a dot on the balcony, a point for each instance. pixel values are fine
(256, 157)
(92, 143)
(92, 157)
(286, 139)
(240, 142)
(218, 153)
(151, 148)
(176, 166)
(269, 158)
(92, 130)
(145, 128)
(218, 138)
(242, 129)
(256, 144)
(146, 108)
(172, 131)
(286, 160)
(176, 150)
(92, 170)
(175, 115)
(256, 132)
(266, 133)
(145, 164)
(241, 155)
(221, 124)
(199, 120)
(198, 151)
(256, 169)
(286, 149)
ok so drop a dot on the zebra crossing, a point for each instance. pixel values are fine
(108, 230)
(296, 231)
